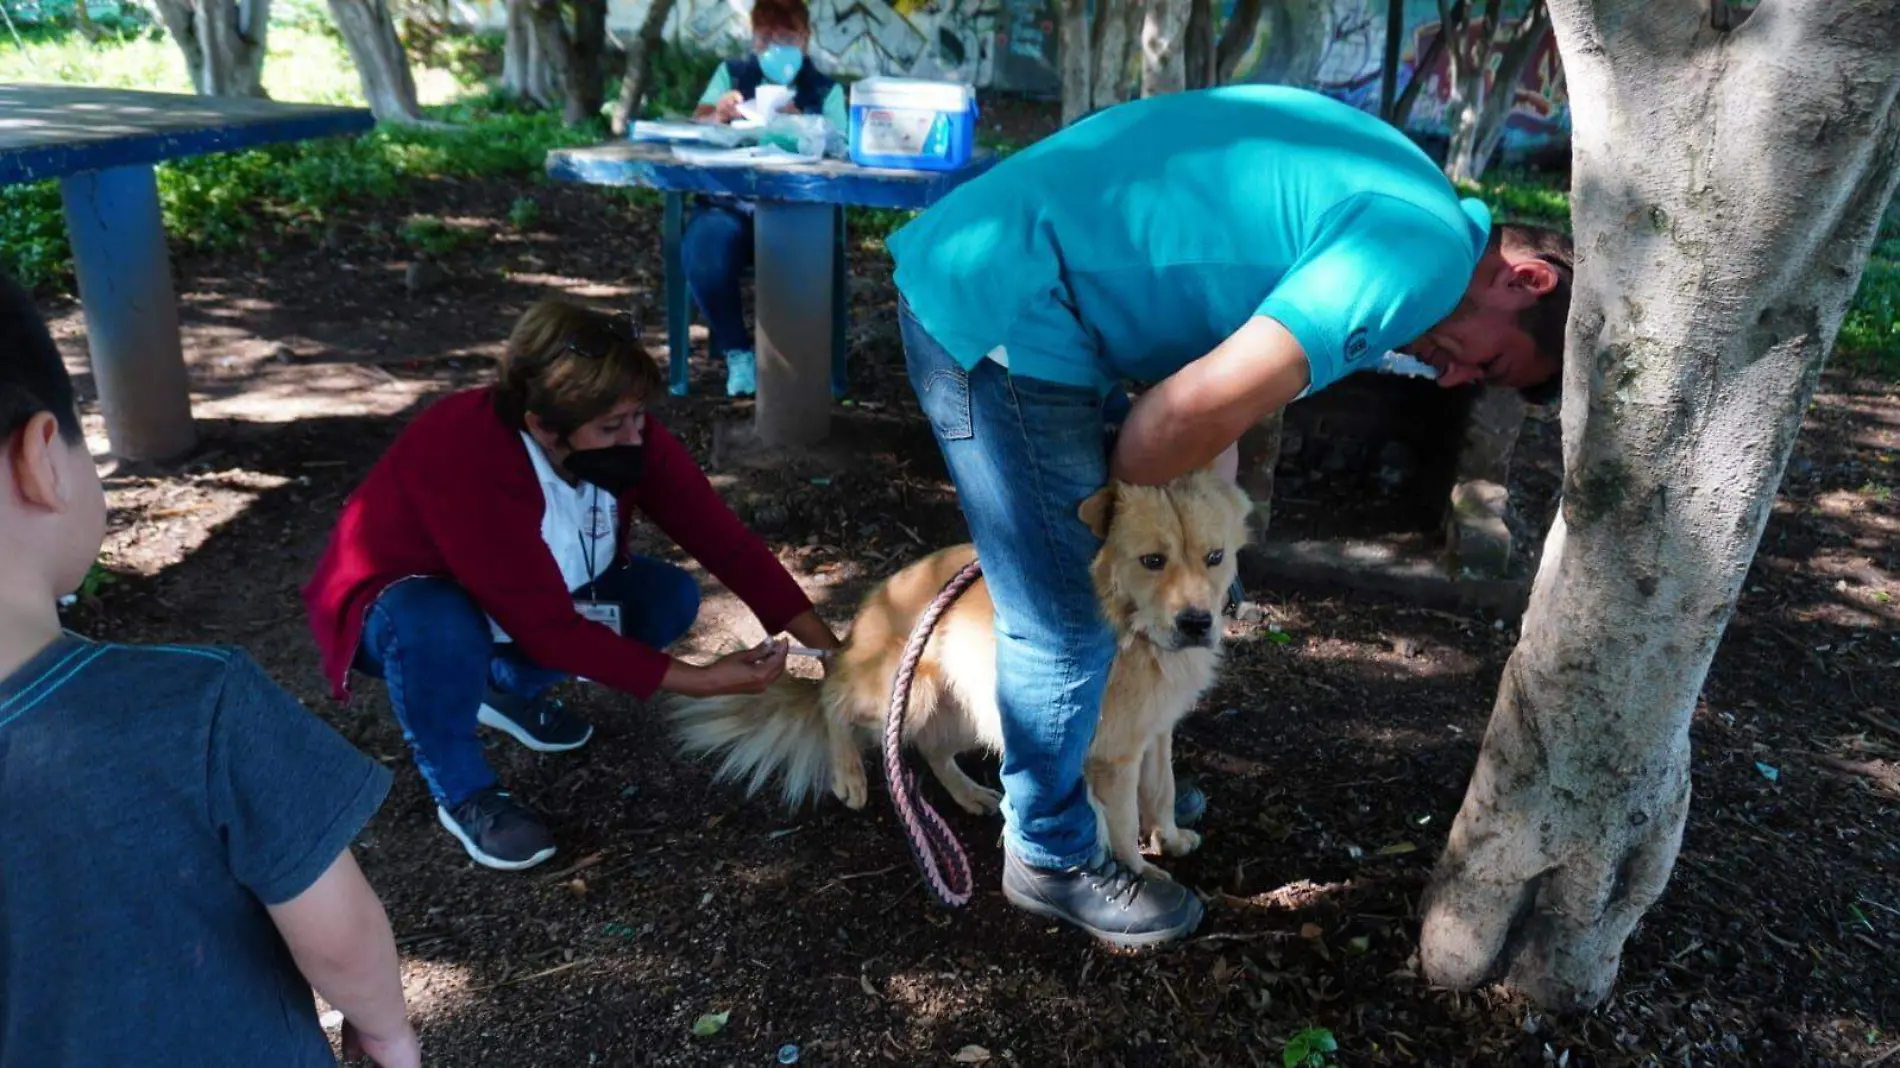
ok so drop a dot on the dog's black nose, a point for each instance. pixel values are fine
(1194, 623)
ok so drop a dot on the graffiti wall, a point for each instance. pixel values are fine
(1338, 46)
(1335, 46)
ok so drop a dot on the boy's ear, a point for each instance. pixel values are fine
(33, 460)
(1099, 511)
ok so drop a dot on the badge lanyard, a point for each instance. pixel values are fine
(587, 542)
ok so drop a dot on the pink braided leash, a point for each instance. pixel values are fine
(933, 844)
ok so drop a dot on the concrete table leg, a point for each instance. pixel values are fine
(794, 246)
(125, 286)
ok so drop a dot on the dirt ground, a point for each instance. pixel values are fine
(1334, 761)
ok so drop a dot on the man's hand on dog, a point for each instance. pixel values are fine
(746, 671)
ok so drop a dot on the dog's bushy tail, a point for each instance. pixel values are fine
(779, 732)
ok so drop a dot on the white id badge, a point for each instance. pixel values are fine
(606, 613)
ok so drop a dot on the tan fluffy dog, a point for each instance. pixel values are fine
(1162, 575)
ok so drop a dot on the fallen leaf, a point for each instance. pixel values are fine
(971, 1055)
(579, 886)
(1310, 931)
(711, 1023)
(864, 981)
(1396, 849)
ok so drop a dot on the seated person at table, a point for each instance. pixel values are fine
(484, 559)
(175, 866)
(718, 244)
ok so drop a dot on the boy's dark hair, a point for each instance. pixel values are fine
(1546, 321)
(33, 377)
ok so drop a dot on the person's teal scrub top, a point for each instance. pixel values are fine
(1136, 240)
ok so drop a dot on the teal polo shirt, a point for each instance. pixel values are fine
(1136, 240)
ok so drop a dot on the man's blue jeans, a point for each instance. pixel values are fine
(1024, 455)
(716, 250)
(429, 641)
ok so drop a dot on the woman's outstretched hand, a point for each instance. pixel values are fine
(746, 671)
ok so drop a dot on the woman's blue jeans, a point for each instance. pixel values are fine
(716, 250)
(430, 643)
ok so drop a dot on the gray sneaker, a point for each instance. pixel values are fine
(543, 724)
(1105, 899)
(498, 831)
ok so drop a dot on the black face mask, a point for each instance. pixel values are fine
(615, 469)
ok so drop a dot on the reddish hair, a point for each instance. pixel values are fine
(771, 18)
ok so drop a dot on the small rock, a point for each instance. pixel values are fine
(424, 277)
(1405, 647)
(281, 353)
(1250, 612)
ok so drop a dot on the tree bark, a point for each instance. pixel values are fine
(223, 43)
(1117, 29)
(1296, 41)
(382, 67)
(1424, 64)
(1728, 187)
(527, 70)
(1163, 47)
(585, 77)
(1198, 46)
(1389, 69)
(1075, 56)
(1235, 39)
(1486, 98)
(640, 53)
(1470, 55)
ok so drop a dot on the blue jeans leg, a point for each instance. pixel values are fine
(658, 604)
(429, 642)
(1024, 454)
(716, 250)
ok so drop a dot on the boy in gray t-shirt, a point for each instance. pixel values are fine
(175, 870)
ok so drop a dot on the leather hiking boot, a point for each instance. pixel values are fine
(1105, 899)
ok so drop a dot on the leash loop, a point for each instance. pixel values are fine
(933, 845)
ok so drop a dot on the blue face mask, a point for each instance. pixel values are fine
(781, 62)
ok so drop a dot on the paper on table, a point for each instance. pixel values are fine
(750, 156)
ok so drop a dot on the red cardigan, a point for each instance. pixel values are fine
(457, 496)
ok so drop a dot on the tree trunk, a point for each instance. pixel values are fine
(223, 43)
(381, 65)
(1470, 56)
(1116, 74)
(1199, 45)
(1389, 69)
(1075, 56)
(640, 53)
(528, 72)
(1297, 38)
(1235, 39)
(1163, 47)
(1481, 124)
(1424, 64)
(1728, 189)
(585, 79)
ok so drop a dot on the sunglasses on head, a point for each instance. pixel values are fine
(600, 336)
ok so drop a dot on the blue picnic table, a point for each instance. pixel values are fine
(798, 264)
(101, 144)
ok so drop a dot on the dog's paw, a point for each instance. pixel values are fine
(1179, 842)
(979, 800)
(849, 786)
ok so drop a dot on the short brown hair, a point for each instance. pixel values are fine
(772, 18)
(1545, 321)
(570, 364)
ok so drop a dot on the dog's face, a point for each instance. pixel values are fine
(1168, 556)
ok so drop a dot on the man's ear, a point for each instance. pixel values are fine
(1533, 277)
(1099, 511)
(32, 456)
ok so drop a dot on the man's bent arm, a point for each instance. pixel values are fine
(1193, 415)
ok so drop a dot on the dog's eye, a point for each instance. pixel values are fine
(1154, 561)
(1214, 558)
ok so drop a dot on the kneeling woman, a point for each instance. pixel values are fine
(484, 559)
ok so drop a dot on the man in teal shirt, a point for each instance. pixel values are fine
(1233, 250)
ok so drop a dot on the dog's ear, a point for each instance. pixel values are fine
(1099, 510)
